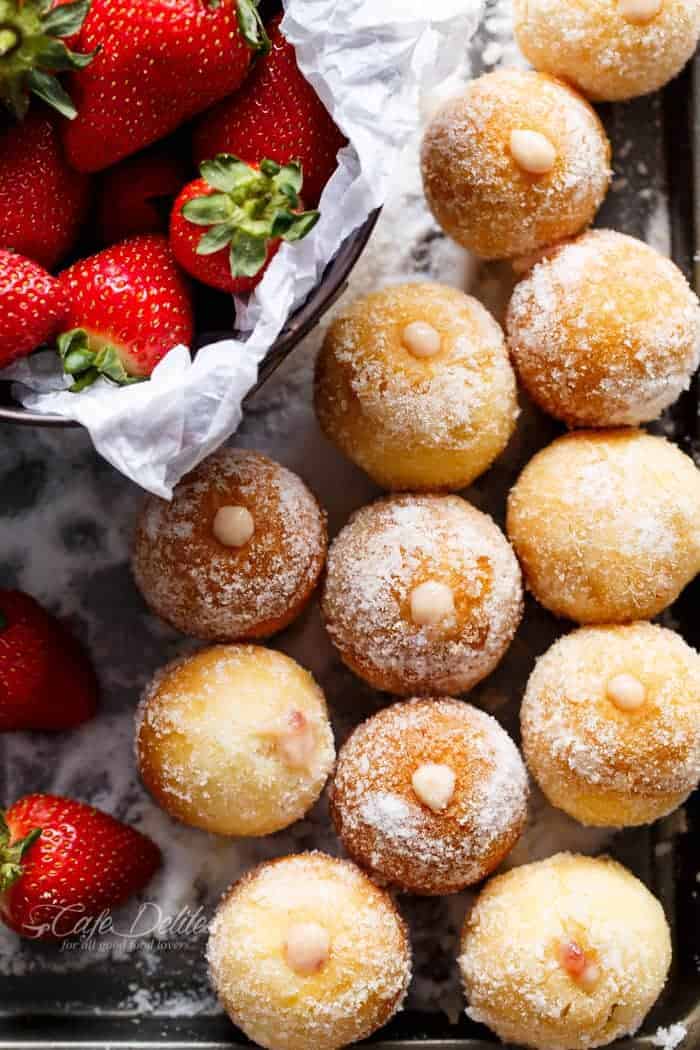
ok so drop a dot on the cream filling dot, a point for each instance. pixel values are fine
(639, 12)
(434, 784)
(295, 740)
(431, 603)
(233, 526)
(307, 947)
(532, 151)
(421, 339)
(626, 692)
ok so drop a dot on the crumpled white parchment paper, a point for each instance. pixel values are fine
(370, 61)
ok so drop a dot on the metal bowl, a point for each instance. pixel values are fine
(329, 288)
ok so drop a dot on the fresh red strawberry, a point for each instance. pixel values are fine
(276, 114)
(128, 306)
(63, 863)
(246, 213)
(42, 201)
(33, 47)
(136, 195)
(160, 62)
(33, 306)
(46, 678)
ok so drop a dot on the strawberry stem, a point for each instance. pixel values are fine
(32, 52)
(9, 40)
(249, 208)
(251, 26)
(12, 853)
(86, 364)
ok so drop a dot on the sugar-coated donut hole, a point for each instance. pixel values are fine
(429, 795)
(414, 385)
(515, 163)
(306, 951)
(604, 332)
(237, 552)
(422, 594)
(611, 49)
(606, 525)
(235, 739)
(523, 979)
(611, 723)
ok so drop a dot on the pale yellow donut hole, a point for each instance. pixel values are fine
(414, 385)
(350, 956)
(517, 162)
(611, 723)
(606, 525)
(564, 954)
(605, 332)
(608, 49)
(235, 739)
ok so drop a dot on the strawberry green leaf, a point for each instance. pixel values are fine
(290, 178)
(253, 207)
(46, 87)
(215, 239)
(205, 211)
(109, 364)
(227, 173)
(247, 255)
(86, 365)
(269, 167)
(86, 379)
(12, 853)
(32, 52)
(303, 223)
(54, 55)
(251, 26)
(74, 342)
(67, 19)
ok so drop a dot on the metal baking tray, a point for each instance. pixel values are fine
(656, 141)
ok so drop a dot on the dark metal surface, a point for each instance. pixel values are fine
(329, 288)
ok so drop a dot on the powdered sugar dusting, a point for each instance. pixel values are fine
(606, 763)
(361, 986)
(605, 332)
(474, 187)
(224, 593)
(382, 821)
(382, 554)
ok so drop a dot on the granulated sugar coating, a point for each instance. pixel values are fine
(609, 49)
(235, 739)
(606, 525)
(605, 332)
(362, 954)
(389, 828)
(417, 415)
(225, 592)
(611, 723)
(474, 172)
(564, 954)
(383, 560)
